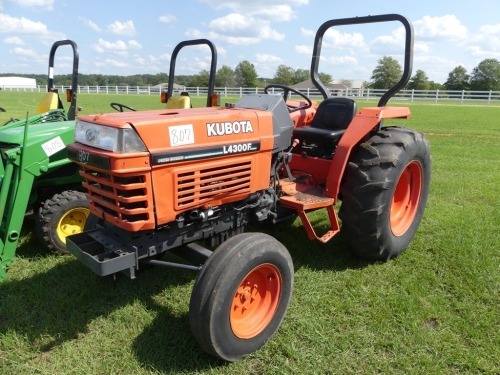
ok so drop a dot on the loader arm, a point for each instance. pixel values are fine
(15, 189)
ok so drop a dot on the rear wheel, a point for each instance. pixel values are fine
(60, 216)
(241, 295)
(384, 192)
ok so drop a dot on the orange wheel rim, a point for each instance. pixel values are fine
(256, 301)
(406, 198)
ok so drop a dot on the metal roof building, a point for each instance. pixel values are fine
(17, 82)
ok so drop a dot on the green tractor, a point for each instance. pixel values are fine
(36, 175)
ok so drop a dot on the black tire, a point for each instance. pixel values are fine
(63, 214)
(216, 315)
(384, 192)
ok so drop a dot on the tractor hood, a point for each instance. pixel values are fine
(39, 133)
(261, 120)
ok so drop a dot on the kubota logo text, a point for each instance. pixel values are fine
(227, 128)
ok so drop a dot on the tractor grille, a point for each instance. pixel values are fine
(125, 199)
(197, 187)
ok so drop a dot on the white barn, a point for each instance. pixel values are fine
(17, 82)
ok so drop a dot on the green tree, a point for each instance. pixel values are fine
(486, 76)
(325, 78)
(300, 75)
(199, 80)
(246, 75)
(386, 74)
(458, 79)
(284, 75)
(436, 86)
(419, 81)
(225, 77)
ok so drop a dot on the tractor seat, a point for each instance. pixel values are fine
(179, 102)
(332, 118)
(48, 102)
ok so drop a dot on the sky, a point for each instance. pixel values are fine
(137, 37)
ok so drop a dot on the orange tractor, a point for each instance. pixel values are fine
(188, 181)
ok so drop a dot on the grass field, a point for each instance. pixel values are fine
(433, 310)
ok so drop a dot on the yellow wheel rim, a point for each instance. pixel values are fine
(72, 222)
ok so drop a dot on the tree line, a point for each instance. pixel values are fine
(484, 77)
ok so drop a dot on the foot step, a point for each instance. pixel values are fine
(311, 200)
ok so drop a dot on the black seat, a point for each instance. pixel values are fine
(332, 118)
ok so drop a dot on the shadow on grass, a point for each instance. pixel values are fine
(51, 308)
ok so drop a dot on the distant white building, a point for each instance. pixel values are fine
(17, 82)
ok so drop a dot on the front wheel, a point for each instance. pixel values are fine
(61, 216)
(241, 295)
(384, 192)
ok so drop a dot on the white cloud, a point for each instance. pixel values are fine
(271, 10)
(24, 52)
(47, 4)
(134, 44)
(140, 60)
(249, 22)
(126, 28)
(235, 23)
(445, 27)
(28, 54)
(421, 48)
(13, 25)
(490, 29)
(163, 57)
(263, 58)
(103, 46)
(221, 51)
(482, 52)
(167, 18)
(435, 66)
(14, 40)
(342, 60)
(276, 13)
(486, 43)
(116, 63)
(307, 32)
(303, 50)
(90, 24)
(111, 63)
(393, 44)
(336, 39)
(240, 30)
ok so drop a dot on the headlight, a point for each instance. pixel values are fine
(108, 138)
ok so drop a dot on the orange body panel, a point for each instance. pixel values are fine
(364, 121)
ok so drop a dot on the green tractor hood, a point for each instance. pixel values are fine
(38, 134)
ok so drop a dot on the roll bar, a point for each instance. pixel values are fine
(74, 76)
(408, 54)
(213, 66)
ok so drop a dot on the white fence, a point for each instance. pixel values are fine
(231, 92)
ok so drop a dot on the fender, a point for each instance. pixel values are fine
(362, 124)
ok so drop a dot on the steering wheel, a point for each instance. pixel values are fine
(287, 90)
(120, 107)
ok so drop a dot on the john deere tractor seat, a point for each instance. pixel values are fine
(48, 102)
(181, 101)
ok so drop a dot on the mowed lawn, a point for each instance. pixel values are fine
(433, 310)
